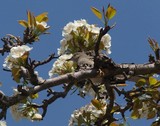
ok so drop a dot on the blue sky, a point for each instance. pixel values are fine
(136, 21)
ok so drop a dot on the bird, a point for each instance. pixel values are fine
(85, 61)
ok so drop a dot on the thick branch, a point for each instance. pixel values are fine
(141, 69)
(138, 69)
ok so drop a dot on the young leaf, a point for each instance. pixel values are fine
(41, 28)
(115, 108)
(31, 19)
(16, 74)
(96, 12)
(152, 81)
(151, 115)
(135, 114)
(114, 124)
(42, 17)
(110, 12)
(97, 104)
(23, 23)
(34, 96)
(140, 82)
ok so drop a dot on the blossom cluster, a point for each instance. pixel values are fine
(24, 110)
(87, 115)
(78, 36)
(62, 65)
(146, 109)
(17, 57)
(3, 123)
(81, 36)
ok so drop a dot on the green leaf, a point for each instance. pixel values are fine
(141, 82)
(96, 12)
(155, 124)
(114, 124)
(153, 44)
(34, 96)
(41, 28)
(23, 23)
(80, 120)
(97, 104)
(137, 104)
(110, 12)
(135, 115)
(42, 17)
(23, 59)
(31, 19)
(151, 114)
(152, 81)
(115, 108)
(16, 74)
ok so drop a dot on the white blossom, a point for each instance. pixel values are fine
(16, 114)
(20, 111)
(157, 119)
(64, 46)
(37, 117)
(3, 123)
(144, 111)
(43, 24)
(80, 34)
(106, 39)
(8, 63)
(94, 29)
(23, 111)
(17, 52)
(62, 65)
(90, 108)
(67, 30)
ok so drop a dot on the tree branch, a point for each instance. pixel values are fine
(38, 63)
(131, 70)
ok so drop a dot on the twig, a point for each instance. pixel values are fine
(38, 63)
(108, 115)
(55, 96)
(101, 34)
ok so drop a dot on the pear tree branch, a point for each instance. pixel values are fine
(131, 70)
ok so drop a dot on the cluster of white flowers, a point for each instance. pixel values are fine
(88, 113)
(12, 60)
(62, 65)
(79, 35)
(73, 27)
(3, 123)
(144, 111)
(22, 110)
